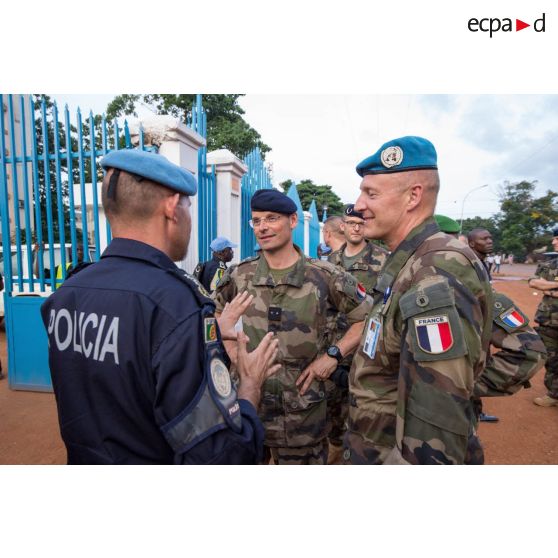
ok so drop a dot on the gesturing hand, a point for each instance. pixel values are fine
(255, 367)
(231, 314)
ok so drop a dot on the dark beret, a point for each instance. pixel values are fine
(399, 155)
(270, 199)
(555, 231)
(349, 211)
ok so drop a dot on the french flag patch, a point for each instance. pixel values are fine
(513, 318)
(360, 291)
(434, 334)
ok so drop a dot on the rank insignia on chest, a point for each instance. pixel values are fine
(512, 318)
(210, 330)
(434, 334)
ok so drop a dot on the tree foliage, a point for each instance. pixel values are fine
(226, 128)
(323, 194)
(524, 221)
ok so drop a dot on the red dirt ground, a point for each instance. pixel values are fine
(526, 434)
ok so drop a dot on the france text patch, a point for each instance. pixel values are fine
(512, 318)
(434, 334)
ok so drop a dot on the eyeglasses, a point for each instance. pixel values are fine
(269, 220)
(353, 224)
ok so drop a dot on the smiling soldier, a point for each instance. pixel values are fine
(293, 297)
(426, 338)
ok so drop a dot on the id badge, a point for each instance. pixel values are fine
(373, 330)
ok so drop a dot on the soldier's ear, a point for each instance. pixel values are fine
(170, 205)
(415, 193)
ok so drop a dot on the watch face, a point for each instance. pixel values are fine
(334, 352)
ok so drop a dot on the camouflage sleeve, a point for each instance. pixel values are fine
(540, 272)
(225, 290)
(521, 355)
(349, 297)
(443, 339)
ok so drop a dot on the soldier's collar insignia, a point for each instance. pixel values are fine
(391, 156)
(512, 318)
(434, 334)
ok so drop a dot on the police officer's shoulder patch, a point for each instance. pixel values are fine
(210, 330)
(434, 325)
(507, 315)
(220, 378)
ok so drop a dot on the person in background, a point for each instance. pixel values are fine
(209, 273)
(323, 251)
(71, 269)
(521, 351)
(333, 235)
(546, 280)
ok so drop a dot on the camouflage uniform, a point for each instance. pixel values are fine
(365, 269)
(521, 352)
(410, 397)
(547, 319)
(296, 309)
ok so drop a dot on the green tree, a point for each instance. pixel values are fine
(323, 194)
(226, 128)
(523, 220)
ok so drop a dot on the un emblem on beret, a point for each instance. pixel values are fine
(392, 156)
(220, 377)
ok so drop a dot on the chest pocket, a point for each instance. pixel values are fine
(435, 328)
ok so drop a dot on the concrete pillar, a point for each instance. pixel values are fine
(230, 170)
(180, 145)
(307, 219)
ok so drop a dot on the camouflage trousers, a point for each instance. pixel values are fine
(338, 412)
(358, 451)
(306, 455)
(549, 335)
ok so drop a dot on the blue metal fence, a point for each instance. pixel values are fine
(298, 233)
(314, 232)
(45, 164)
(257, 178)
(207, 185)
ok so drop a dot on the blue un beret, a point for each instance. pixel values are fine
(349, 211)
(270, 199)
(399, 155)
(220, 243)
(152, 167)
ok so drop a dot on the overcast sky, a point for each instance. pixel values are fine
(483, 139)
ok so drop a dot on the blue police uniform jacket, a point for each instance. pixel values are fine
(206, 272)
(138, 367)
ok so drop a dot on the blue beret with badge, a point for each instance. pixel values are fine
(150, 166)
(270, 199)
(349, 211)
(399, 155)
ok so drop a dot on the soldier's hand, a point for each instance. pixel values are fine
(321, 369)
(255, 367)
(231, 314)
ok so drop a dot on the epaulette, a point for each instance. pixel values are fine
(246, 260)
(326, 266)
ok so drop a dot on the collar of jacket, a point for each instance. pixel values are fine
(295, 278)
(398, 258)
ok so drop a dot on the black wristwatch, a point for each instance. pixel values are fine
(335, 352)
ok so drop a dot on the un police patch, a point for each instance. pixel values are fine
(434, 334)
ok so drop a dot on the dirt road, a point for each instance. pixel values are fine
(526, 434)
